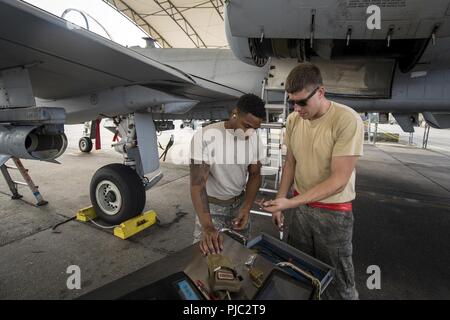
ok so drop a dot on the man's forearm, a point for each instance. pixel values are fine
(200, 201)
(287, 178)
(199, 176)
(251, 190)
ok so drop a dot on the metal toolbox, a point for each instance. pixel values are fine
(278, 252)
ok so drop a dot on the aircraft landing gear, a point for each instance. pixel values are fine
(117, 193)
(85, 144)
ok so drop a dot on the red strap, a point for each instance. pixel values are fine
(98, 144)
(346, 206)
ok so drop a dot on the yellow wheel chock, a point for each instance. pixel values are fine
(135, 225)
(127, 228)
(86, 214)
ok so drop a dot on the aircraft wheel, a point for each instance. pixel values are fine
(85, 144)
(117, 193)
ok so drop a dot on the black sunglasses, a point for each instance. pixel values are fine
(302, 102)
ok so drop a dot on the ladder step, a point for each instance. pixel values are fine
(13, 168)
(24, 184)
(275, 106)
(274, 145)
(21, 183)
(274, 88)
(272, 125)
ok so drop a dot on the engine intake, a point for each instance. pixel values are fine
(46, 142)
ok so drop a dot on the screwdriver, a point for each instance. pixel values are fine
(281, 227)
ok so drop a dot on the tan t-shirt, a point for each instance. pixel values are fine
(339, 132)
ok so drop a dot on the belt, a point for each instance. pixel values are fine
(345, 206)
(227, 202)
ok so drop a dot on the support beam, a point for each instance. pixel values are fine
(161, 13)
(139, 21)
(172, 11)
(218, 5)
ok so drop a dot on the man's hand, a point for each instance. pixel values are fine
(241, 221)
(212, 241)
(278, 204)
(278, 219)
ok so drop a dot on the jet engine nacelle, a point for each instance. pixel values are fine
(46, 142)
(256, 52)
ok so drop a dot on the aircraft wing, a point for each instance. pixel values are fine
(65, 60)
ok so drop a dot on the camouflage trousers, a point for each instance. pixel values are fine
(222, 217)
(327, 236)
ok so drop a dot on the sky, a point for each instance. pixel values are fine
(122, 30)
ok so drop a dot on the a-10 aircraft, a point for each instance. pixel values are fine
(53, 72)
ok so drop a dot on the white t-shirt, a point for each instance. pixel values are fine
(228, 158)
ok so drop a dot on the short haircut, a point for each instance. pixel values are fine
(304, 76)
(250, 103)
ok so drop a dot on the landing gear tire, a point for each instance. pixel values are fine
(117, 193)
(85, 144)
